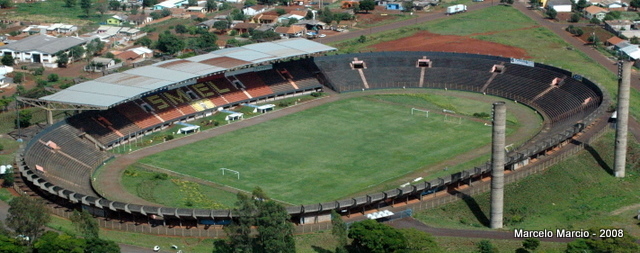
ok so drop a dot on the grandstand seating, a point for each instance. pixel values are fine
(69, 165)
(69, 162)
(254, 85)
(135, 113)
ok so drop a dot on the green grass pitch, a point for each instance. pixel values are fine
(328, 152)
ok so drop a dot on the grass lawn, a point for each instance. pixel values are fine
(175, 191)
(576, 194)
(55, 11)
(341, 148)
(139, 239)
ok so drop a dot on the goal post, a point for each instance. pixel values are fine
(416, 110)
(230, 170)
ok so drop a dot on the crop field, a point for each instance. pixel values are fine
(328, 152)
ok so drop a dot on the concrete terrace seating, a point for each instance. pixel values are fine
(225, 89)
(436, 77)
(254, 84)
(539, 74)
(579, 90)
(136, 114)
(521, 86)
(70, 163)
(557, 104)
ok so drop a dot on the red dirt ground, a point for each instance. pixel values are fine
(426, 41)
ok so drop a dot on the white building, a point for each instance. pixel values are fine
(41, 49)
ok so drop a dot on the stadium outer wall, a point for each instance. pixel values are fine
(559, 131)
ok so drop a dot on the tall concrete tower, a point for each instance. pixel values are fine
(497, 163)
(622, 125)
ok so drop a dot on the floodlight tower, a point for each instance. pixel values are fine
(622, 119)
(497, 163)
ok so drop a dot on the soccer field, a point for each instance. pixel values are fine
(328, 152)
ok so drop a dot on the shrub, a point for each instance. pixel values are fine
(161, 176)
(481, 115)
(169, 137)
(316, 94)
(53, 77)
(38, 71)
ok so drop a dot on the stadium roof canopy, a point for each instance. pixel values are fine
(110, 90)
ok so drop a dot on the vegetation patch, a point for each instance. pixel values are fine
(584, 195)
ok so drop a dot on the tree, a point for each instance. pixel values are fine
(27, 216)
(362, 39)
(207, 41)
(102, 8)
(595, 20)
(70, 3)
(531, 244)
(85, 224)
(579, 32)
(339, 231)
(52, 242)
(170, 43)
(275, 231)
(211, 5)
(250, 2)
(192, 2)
(582, 4)
(535, 4)
(7, 60)
(506, 1)
(485, 246)
(149, 3)
(374, 237)
(180, 28)
(18, 77)
(367, 5)
(407, 6)
(551, 13)
(239, 232)
(634, 40)
(97, 245)
(24, 117)
(144, 41)
(635, 4)
(237, 15)
(8, 179)
(11, 245)
(418, 241)
(165, 12)
(86, 6)
(77, 52)
(575, 17)
(221, 25)
(4, 4)
(114, 5)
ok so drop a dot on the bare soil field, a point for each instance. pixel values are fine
(426, 41)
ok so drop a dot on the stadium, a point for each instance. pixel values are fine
(59, 161)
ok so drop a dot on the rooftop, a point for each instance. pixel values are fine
(114, 89)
